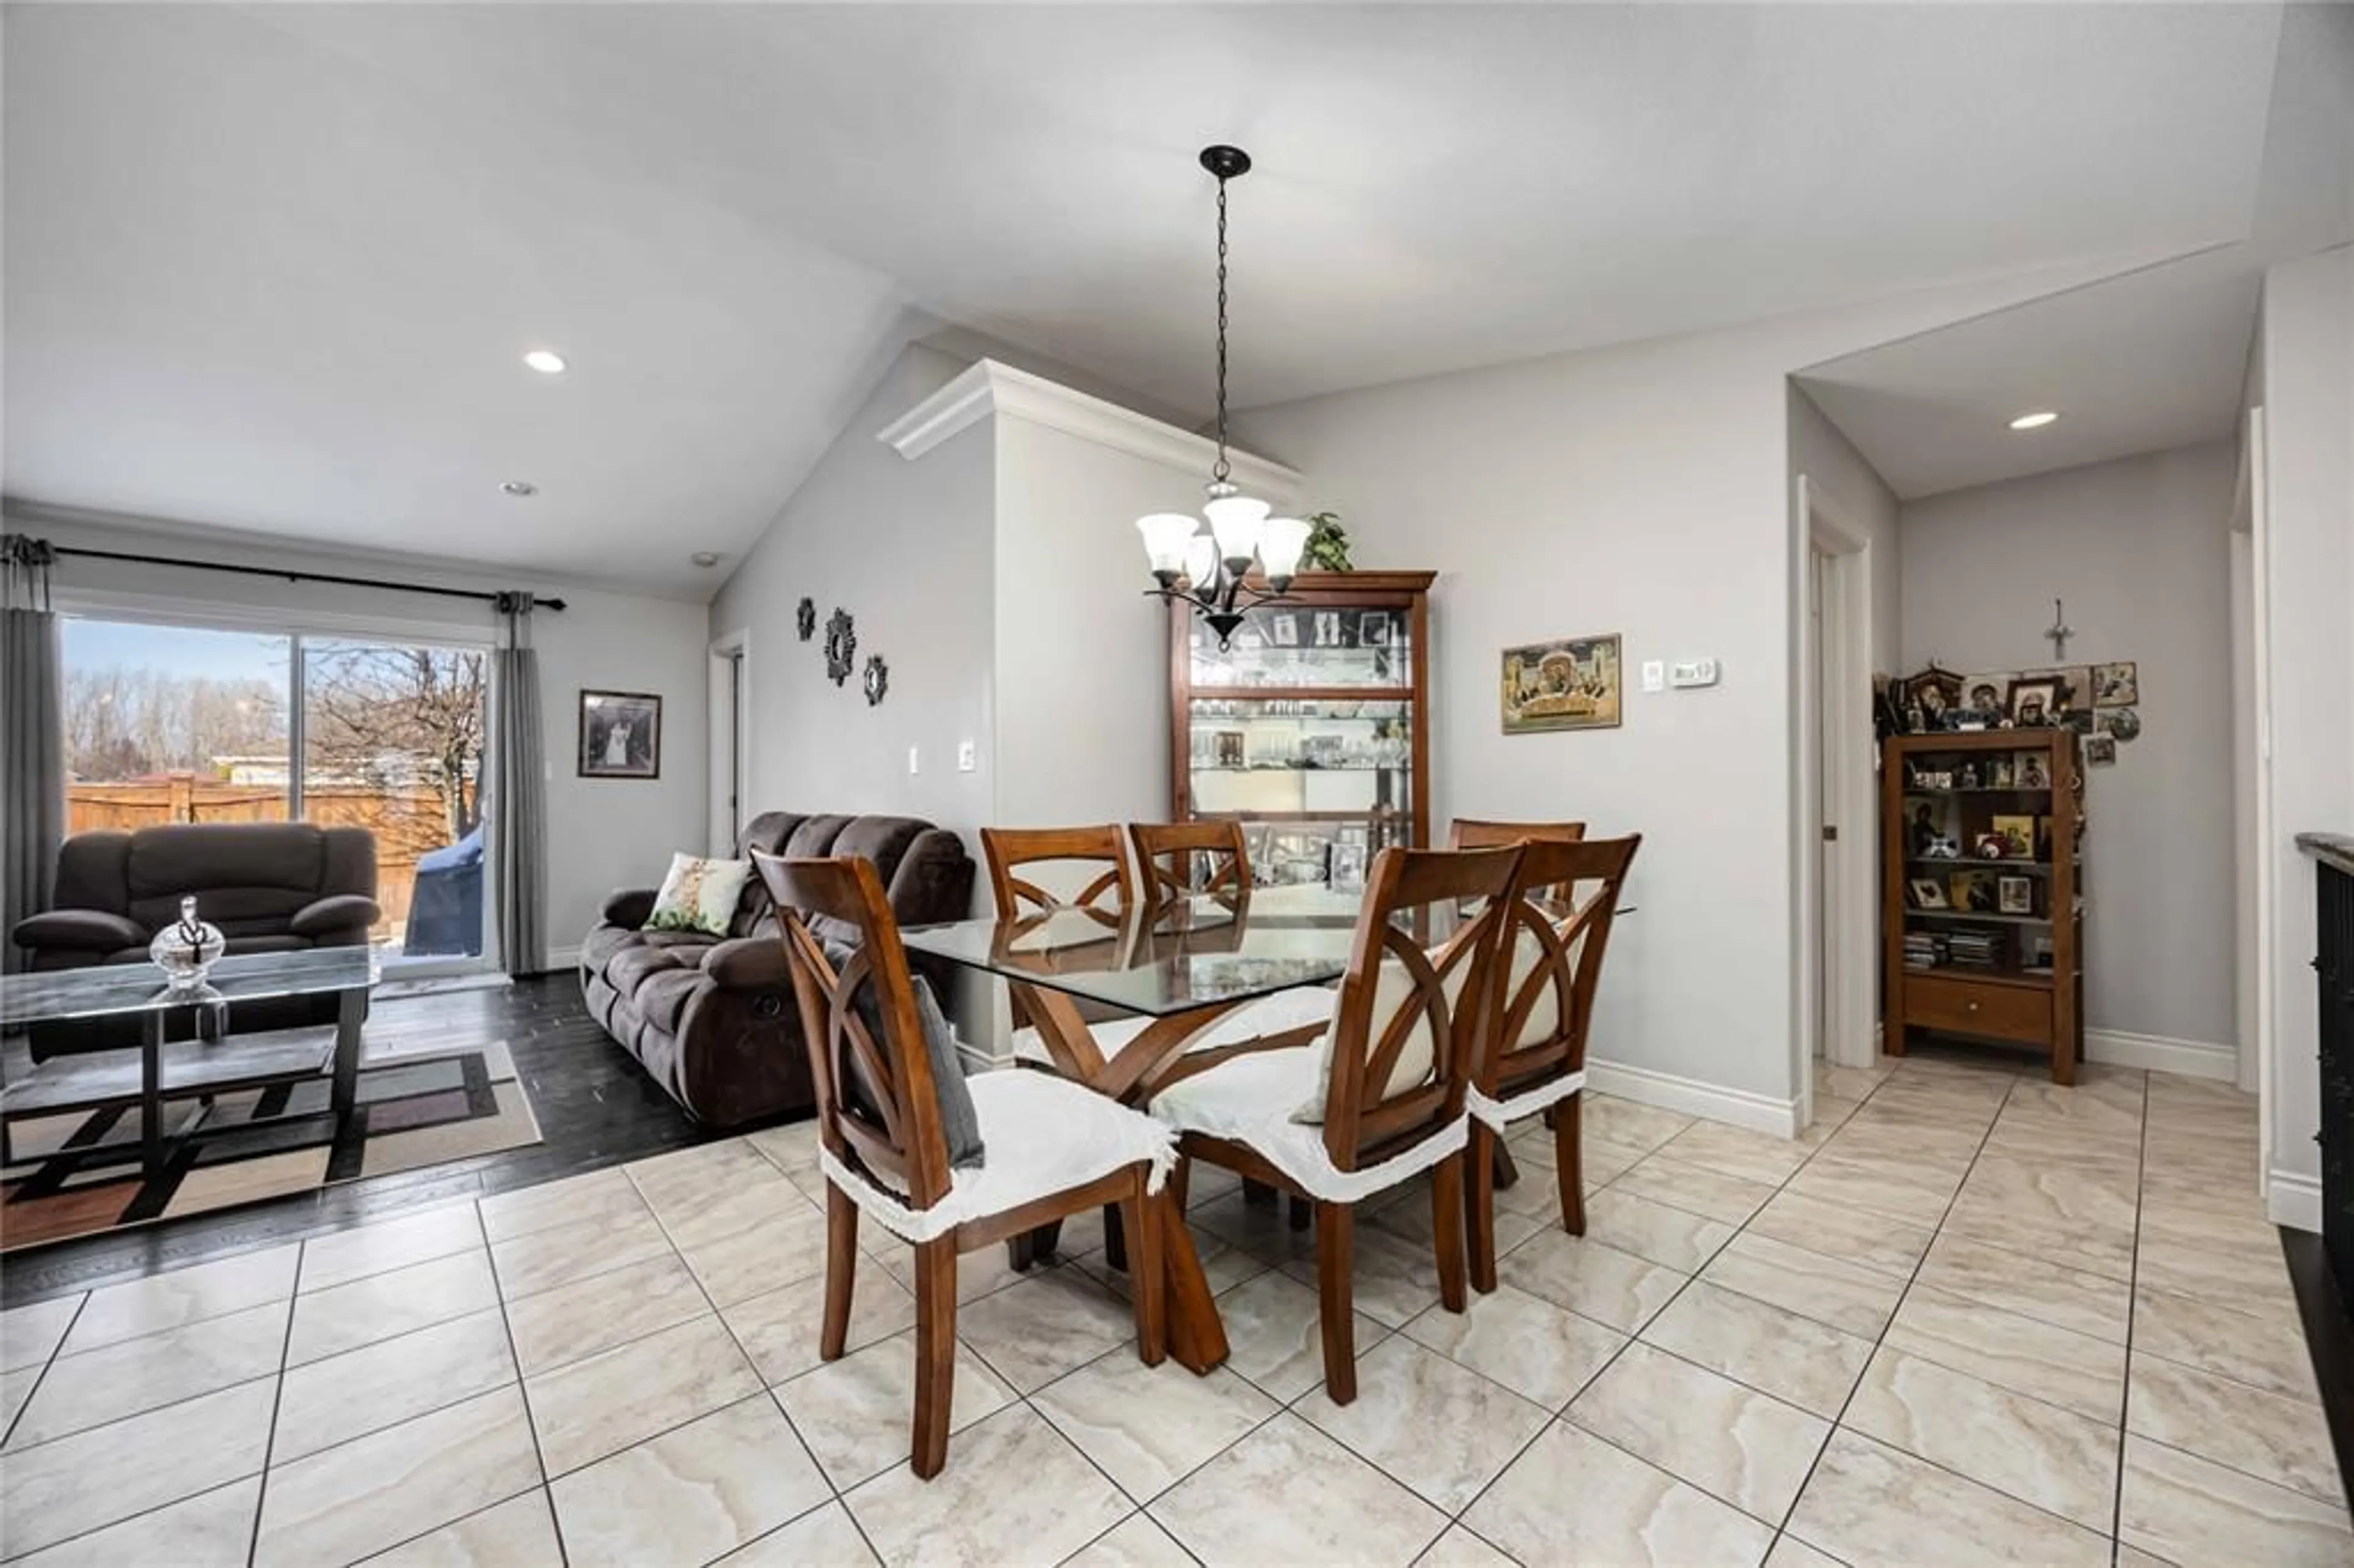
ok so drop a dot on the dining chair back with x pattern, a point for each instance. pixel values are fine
(1382, 1100)
(1564, 900)
(1186, 860)
(1097, 849)
(1474, 833)
(1404, 1043)
(877, 1108)
(879, 1117)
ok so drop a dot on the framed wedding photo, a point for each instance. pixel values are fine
(621, 735)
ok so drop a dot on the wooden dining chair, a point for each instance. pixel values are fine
(1051, 1147)
(1008, 850)
(1531, 1055)
(1474, 833)
(1094, 853)
(1380, 1097)
(1188, 860)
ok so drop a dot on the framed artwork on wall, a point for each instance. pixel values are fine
(1572, 684)
(621, 735)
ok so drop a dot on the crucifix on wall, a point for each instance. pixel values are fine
(2058, 631)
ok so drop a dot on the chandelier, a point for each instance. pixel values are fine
(1210, 570)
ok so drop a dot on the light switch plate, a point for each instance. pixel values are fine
(968, 756)
(911, 760)
(1689, 672)
(1655, 676)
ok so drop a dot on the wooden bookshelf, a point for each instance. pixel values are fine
(1980, 943)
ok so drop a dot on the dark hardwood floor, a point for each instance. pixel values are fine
(596, 1107)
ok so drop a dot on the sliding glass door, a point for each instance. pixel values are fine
(194, 724)
(393, 737)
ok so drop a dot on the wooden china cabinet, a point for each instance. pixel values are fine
(1311, 727)
(1983, 901)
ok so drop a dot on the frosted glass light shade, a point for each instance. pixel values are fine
(1281, 541)
(1201, 560)
(1167, 535)
(1236, 520)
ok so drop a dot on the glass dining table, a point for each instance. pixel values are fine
(1185, 965)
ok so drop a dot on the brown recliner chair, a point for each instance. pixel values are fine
(712, 1017)
(272, 887)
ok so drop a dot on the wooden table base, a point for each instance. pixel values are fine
(1196, 1337)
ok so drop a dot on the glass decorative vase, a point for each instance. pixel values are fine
(185, 949)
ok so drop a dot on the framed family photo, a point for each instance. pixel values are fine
(2116, 685)
(621, 735)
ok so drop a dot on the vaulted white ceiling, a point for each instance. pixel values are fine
(2152, 358)
(272, 266)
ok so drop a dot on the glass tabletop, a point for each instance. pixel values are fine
(1183, 955)
(54, 994)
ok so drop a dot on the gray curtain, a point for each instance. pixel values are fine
(32, 737)
(519, 829)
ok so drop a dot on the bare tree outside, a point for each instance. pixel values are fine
(129, 723)
(398, 717)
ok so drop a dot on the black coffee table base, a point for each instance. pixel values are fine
(161, 1070)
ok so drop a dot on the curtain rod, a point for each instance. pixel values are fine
(295, 576)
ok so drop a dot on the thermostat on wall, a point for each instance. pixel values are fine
(1685, 672)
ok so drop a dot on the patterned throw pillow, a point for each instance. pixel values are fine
(699, 895)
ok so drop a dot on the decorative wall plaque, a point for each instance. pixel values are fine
(841, 646)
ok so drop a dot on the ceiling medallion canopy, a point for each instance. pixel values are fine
(1210, 569)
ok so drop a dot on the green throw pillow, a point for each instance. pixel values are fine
(699, 895)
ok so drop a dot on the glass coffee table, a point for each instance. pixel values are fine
(217, 1061)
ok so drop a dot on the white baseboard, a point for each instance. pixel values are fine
(561, 958)
(1735, 1108)
(2157, 1054)
(2294, 1201)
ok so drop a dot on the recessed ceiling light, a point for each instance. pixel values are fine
(2034, 422)
(547, 361)
(520, 487)
(703, 558)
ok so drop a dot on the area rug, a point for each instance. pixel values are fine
(416, 1107)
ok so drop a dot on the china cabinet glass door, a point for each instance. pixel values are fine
(1304, 727)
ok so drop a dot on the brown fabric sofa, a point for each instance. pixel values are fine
(713, 1019)
(272, 887)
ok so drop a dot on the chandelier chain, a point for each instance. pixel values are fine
(1220, 471)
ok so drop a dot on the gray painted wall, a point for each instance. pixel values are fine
(1643, 489)
(2307, 376)
(904, 547)
(1830, 460)
(2138, 548)
(1082, 655)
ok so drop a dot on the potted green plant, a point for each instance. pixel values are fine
(1328, 544)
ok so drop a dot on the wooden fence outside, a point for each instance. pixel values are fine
(407, 822)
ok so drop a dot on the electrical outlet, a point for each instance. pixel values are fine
(1689, 672)
(1655, 676)
(913, 761)
(968, 756)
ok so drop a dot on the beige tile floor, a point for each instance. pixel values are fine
(1968, 1317)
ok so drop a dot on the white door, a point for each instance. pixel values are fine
(1829, 848)
(729, 711)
